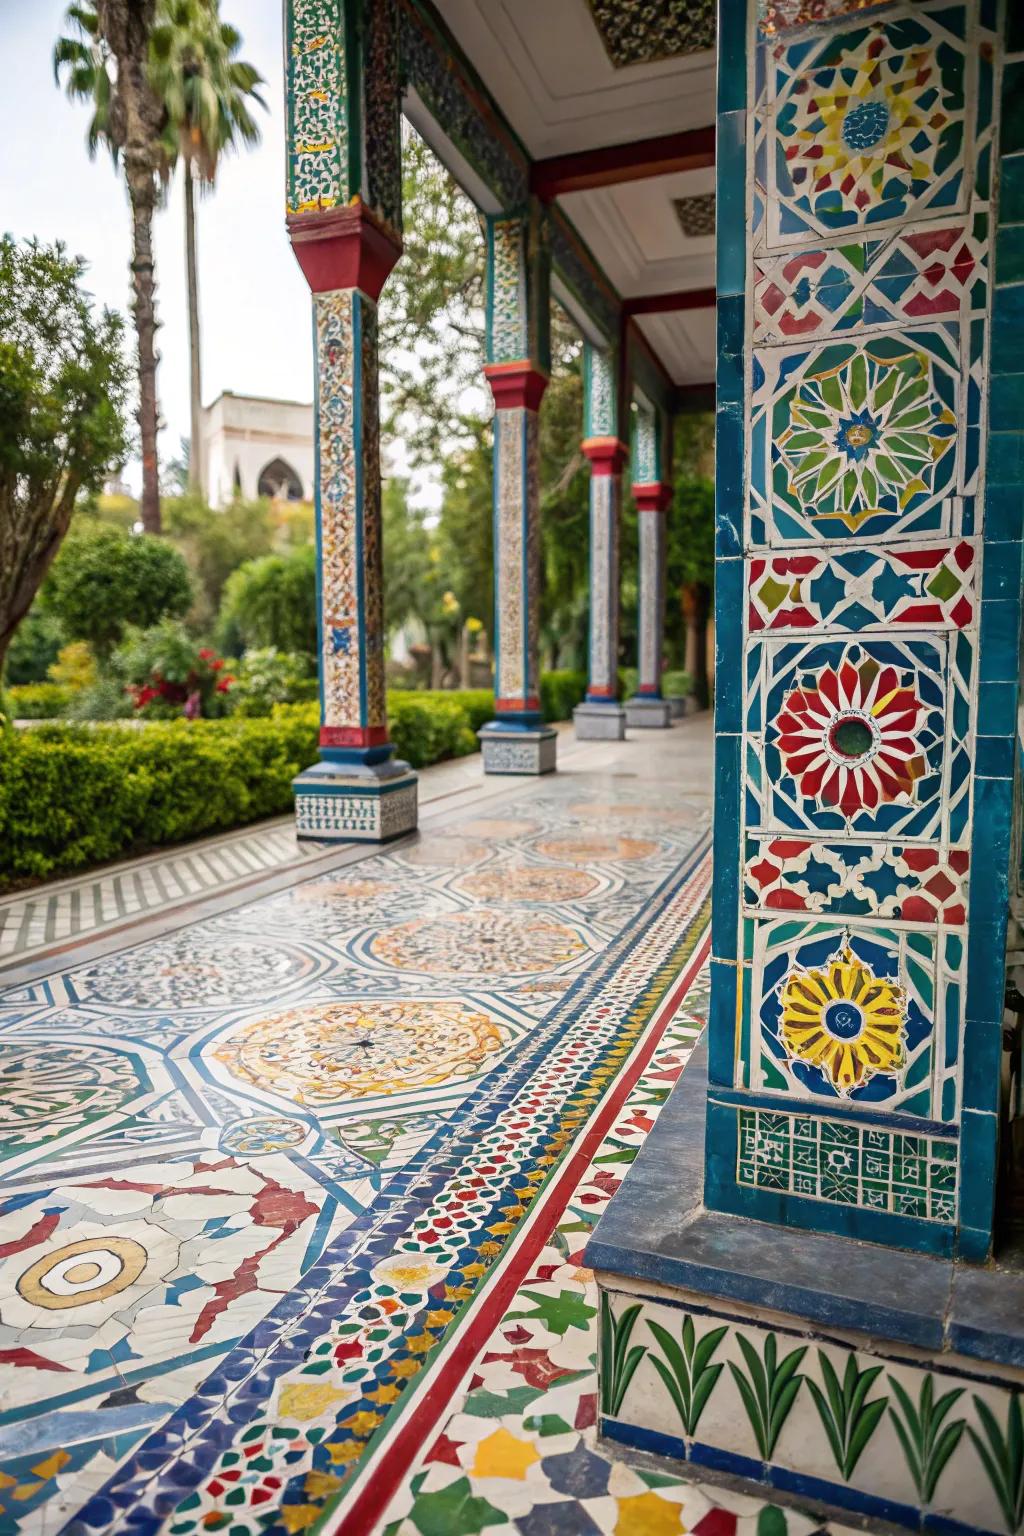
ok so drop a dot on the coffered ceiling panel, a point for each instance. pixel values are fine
(549, 65)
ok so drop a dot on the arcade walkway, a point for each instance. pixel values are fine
(294, 1196)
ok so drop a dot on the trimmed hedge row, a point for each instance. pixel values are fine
(39, 701)
(72, 796)
(76, 795)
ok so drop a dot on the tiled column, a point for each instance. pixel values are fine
(517, 740)
(652, 495)
(601, 717)
(344, 222)
(870, 483)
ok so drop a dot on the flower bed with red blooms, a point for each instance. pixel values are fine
(196, 695)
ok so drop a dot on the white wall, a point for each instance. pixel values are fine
(244, 433)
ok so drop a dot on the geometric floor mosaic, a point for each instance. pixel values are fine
(265, 1178)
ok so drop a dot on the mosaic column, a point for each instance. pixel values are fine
(344, 222)
(652, 494)
(518, 308)
(601, 717)
(826, 1338)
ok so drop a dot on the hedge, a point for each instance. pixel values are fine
(72, 796)
(76, 795)
(39, 701)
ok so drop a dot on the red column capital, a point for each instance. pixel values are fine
(517, 384)
(344, 248)
(607, 455)
(653, 496)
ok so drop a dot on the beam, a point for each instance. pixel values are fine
(688, 398)
(587, 169)
(670, 303)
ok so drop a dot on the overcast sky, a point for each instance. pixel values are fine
(254, 302)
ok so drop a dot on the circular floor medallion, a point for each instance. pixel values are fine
(487, 941)
(335, 1052)
(529, 882)
(595, 849)
(82, 1272)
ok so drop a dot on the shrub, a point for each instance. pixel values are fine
(34, 647)
(477, 704)
(75, 666)
(71, 796)
(267, 676)
(426, 727)
(271, 602)
(168, 673)
(105, 699)
(38, 701)
(560, 692)
(105, 580)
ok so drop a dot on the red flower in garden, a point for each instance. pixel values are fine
(850, 739)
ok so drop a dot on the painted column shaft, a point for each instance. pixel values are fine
(605, 508)
(652, 601)
(352, 693)
(516, 740)
(517, 562)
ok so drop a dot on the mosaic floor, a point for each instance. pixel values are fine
(270, 1184)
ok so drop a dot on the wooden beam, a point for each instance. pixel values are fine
(693, 397)
(693, 150)
(670, 303)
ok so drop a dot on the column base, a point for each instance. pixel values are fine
(353, 803)
(648, 714)
(678, 704)
(886, 1368)
(518, 749)
(599, 722)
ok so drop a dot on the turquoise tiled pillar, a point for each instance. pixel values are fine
(797, 1310)
(652, 496)
(867, 618)
(601, 717)
(518, 361)
(344, 222)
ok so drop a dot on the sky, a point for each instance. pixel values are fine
(255, 308)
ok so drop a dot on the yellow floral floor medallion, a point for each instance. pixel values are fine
(845, 1020)
(334, 1052)
(82, 1272)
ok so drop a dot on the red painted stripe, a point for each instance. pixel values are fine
(353, 736)
(384, 1478)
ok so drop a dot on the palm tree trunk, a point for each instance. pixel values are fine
(143, 199)
(195, 470)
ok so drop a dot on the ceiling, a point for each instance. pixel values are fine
(579, 75)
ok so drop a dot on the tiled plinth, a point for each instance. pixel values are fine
(648, 714)
(679, 705)
(514, 749)
(599, 722)
(349, 803)
(875, 1380)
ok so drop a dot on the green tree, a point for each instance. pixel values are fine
(63, 393)
(432, 311)
(217, 543)
(106, 581)
(271, 601)
(406, 549)
(104, 61)
(207, 92)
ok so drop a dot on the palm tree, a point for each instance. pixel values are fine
(206, 91)
(106, 62)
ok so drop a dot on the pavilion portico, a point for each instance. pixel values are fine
(543, 166)
(798, 1284)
